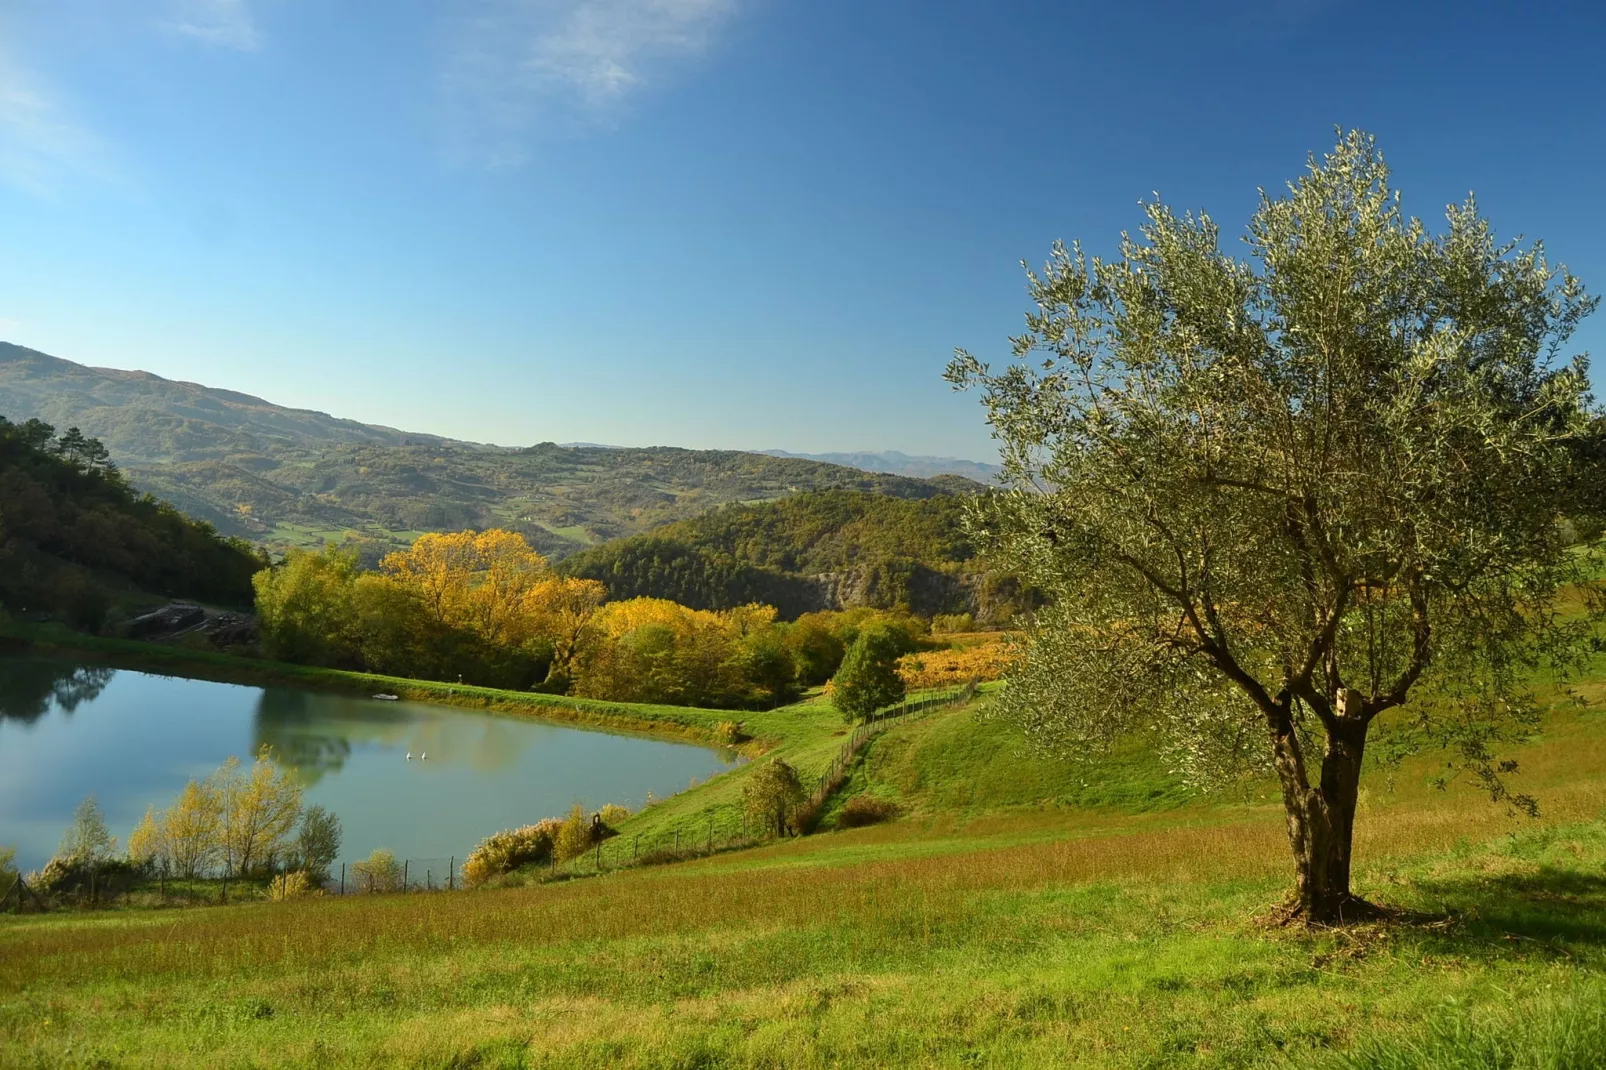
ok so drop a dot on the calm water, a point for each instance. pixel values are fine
(133, 740)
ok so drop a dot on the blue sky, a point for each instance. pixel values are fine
(711, 223)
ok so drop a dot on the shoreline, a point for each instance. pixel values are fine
(675, 723)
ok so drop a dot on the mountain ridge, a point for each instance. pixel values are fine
(285, 476)
(896, 462)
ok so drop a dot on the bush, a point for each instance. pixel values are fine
(76, 878)
(379, 872)
(611, 814)
(506, 851)
(773, 796)
(730, 733)
(573, 835)
(864, 810)
(290, 885)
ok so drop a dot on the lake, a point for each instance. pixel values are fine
(134, 739)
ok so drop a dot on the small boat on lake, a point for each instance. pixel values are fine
(386, 698)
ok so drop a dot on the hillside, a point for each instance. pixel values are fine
(75, 538)
(1036, 921)
(296, 477)
(825, 550)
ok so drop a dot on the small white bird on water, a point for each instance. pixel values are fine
(409, 756)
(424, 756)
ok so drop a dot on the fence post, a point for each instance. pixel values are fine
(342, 878)
(451, 874)
(635, 849)
(404, 873)
(677, 839)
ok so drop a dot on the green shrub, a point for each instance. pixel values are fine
(773, 796)
(868, 679)
(612, 814)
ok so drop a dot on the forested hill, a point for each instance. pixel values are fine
(823, 550)
(75, 538)
(292, 476)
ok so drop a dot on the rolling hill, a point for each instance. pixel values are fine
(829, 549)
(287, 476)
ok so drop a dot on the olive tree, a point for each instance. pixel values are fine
(1276, 497)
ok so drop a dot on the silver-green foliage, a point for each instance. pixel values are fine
(1275, 495)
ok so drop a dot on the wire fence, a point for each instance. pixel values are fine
(725, 830)
(874, 725)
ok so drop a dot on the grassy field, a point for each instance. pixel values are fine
(1020, 914)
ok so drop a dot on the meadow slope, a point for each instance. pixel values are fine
(1007, 931)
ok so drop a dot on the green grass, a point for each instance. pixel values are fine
(985, 929)
(957, 763)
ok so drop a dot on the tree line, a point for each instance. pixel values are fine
(486, 609)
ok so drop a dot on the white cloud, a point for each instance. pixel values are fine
(225, 23)
(516, 60)
(40, 143)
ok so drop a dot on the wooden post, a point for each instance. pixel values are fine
(342, 878)
(635, 848)
(451, 874)
(225, 896)
(405, 861)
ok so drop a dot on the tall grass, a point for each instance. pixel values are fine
(1566, 1032)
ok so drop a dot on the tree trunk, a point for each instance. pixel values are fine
(1321, 819)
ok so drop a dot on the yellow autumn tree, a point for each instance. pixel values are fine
(145, 845)
(563, 610)
(481, 581)
(259, 809)
(191, 831)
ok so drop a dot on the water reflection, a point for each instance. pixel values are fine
(28, 688)
(317, 734)
(134, 739)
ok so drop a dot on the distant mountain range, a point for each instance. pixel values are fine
(903, 464)
(298, 477)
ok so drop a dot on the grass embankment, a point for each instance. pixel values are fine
(983, 930)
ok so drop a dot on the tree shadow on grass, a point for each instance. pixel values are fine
(1558, 907)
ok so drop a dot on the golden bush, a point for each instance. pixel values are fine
(290, 885)
(506, 851)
